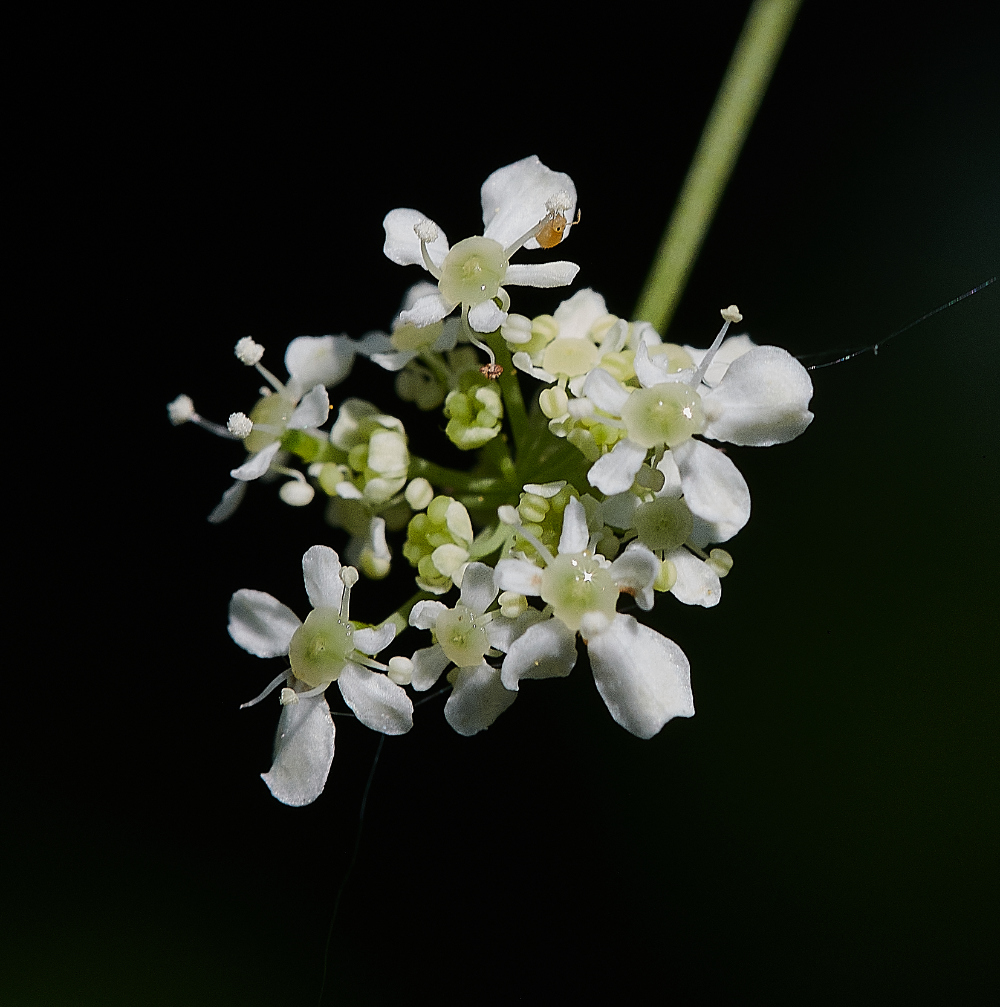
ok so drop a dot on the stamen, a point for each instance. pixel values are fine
(285, 676)
(730, 315)
(427, 231)
(289, 696)
(240, 425)
(248, 352)
(349, 575)
(181, 410)
(527, 236)
(368, 662)
(478, 342)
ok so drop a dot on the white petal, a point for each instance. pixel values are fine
(260, 624)
(514, 199)
(697, 583)
(671, 476)
(643, 677)
(312, 411)
(478, 589)
(714, 488)
(577, 314)
(546, 650)
(541, 274)
(523, 363)
(518, 575)
(575, 536)
(761, 400)
(376, 701)
(321, 572)
(402, 244)
(616, 471)
(634, 572)
(303, 752)
(257, 464)
(486, 317)
(428, 663)
(231, 499)
(477, 699)
(457, 519)
(502, 632)
(319, 360)
(605, 392)
(374, 638)
(645, 370)
(424, 615)
(426, 311)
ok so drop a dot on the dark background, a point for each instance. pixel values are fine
(823, 830)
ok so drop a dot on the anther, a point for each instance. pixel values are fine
(240, 425)
(248, 352)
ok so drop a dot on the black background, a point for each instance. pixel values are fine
(823, 830)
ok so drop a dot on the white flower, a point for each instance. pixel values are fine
(464, 636)
(326, 648)
(761, 398)
(584, 333)
(314, 363)
(643, 677)
(518, 202)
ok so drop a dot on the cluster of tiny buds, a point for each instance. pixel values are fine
(248, 352)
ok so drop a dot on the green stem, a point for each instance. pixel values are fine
(749, 72)
(401, 617)
(510, 390)
(440, 369)
(451, 479)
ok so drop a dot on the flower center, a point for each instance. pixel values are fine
(472, 271)
(575, 584)
(320, 646)
(570, 356)
(665, 523)
(272, 413)
(667, 414)
(460, 637)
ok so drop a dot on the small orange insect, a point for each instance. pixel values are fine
(552, 229)
(491, 371)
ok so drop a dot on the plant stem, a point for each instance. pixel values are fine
(401, 617)
(451, 479)
(510, 391)
(749, 72)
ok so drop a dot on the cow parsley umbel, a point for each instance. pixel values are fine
(594, 475)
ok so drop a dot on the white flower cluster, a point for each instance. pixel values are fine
(607, 486)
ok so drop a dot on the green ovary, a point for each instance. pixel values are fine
(664, 414)
(473, 271)
(574, 585)
(664, 523)
(272, 411)
(319, 647)
(462, 640)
